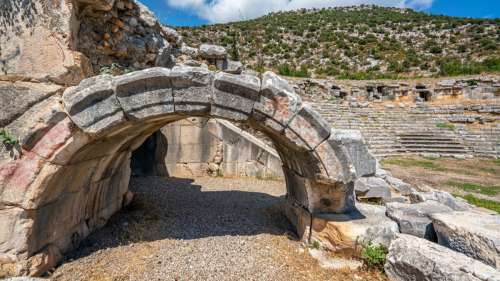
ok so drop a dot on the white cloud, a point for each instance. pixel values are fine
(233, 10)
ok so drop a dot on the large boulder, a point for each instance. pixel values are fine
(366, 224)
(474, 234)
(372, 188)
(414, 259)
(414, 218)
(208, 51)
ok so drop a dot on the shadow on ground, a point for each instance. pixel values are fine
(177, 208)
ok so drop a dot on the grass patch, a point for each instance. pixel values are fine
(374, 256)
(447, 126)
(472, 187)
(496, 162)
(483, 203)
(407, 162)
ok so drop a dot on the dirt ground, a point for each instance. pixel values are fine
(478, 176)
(200, 229)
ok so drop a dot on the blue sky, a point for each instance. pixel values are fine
(197, 12)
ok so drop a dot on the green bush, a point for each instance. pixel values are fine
(374, 255)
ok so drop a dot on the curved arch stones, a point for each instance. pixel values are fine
(75, 167)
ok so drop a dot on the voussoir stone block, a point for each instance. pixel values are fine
(277, 101)
(234, 96)
(336, 159)
(474, 234)
(308, 129)
(146, 93)
(192, 89)
(93, 106)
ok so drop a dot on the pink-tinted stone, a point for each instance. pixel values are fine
(53, 139)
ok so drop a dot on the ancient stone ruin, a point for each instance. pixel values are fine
(72, 138)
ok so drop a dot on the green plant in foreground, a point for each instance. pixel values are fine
(374, 255)
(7, 138)
(483, 203)
(315, 245)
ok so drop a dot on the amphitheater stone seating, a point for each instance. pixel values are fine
(447, 130)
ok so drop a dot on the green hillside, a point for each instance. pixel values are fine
(363, 42)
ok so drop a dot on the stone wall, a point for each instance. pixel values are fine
(200, 147)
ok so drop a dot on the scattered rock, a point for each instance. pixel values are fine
(412, 258)
(208, 51)
(400, 186)
(474, 234)
(372, 188)
(233, 67)
(457, 204)
(414, 218)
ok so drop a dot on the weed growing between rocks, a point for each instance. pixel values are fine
(7, 139)
(374, 255)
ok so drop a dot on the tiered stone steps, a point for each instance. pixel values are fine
(399, 131)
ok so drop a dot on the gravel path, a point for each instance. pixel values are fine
(202, 229)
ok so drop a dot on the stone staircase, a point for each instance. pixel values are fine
(416, 130)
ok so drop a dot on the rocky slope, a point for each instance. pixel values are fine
(359, 43)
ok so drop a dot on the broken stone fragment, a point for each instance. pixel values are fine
(412, 258)
(474, 234)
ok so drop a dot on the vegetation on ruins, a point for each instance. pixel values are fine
(364, 42)
(7, 139)
(374, 255)
(114, 69)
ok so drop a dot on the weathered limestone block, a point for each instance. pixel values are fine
(234, 96)
(17, 175)
(414, 218)
(400, 186)
(363, 160)
(42, 49)
(367, 223)
(308, 129)
(145, 94)
(372, 188)
(192, 89)
(43, 128)
(300, 218)
(336, 159)
(208, 51)
(412, 258)
(442, 197)
(474, 234)
(232, 67)
(92, 106)
(15, 227)
(278, 103)
(16, 98)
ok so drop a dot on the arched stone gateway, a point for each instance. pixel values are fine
(74, 169)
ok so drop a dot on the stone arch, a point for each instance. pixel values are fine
(75, 167)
